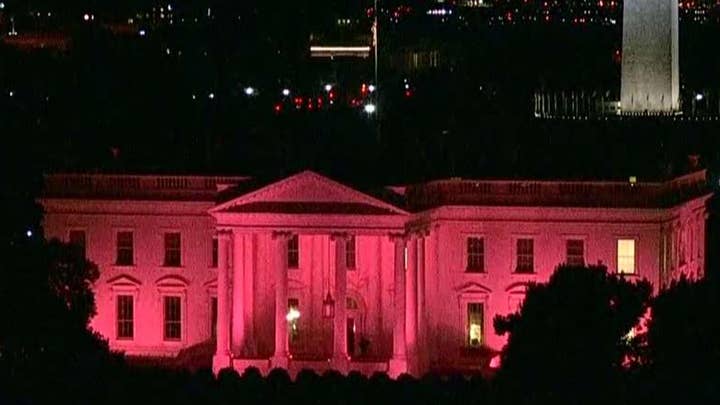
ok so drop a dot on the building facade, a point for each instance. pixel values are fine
(309, 273)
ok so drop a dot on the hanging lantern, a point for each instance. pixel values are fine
(328, 306)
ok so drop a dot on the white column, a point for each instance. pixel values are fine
(238, 292)
(421, 331)
(222, 351)
(340, 353)
(411, 303)
(398, 364)
(249, 288)
(280, 357)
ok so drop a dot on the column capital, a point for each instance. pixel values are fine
(420, 232)
(224, 233)
(279, 234)
(339, 236)
(398, 237)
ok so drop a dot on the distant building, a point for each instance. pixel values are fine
(309, 273)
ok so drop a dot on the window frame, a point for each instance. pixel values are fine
(584, 250)
(118, 321)
(294, 327)
(293, 252)
(634, 271)
(214, 252)
(170, 249)
(468, 254)
(351, 253)
(517, 255)
(468, 335)
(181, 318)
(118, 248)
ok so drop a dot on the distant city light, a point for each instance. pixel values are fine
(11, 93)
(249, 91)
(211, 96)
(699, 97)
(328, 87)
(369, 108)
(407, 86)
(194, 97)
(371, 88)
(286, 92)
(29, 233)
(86, 17)
(169, 7)
(2, 5)
(142, 33)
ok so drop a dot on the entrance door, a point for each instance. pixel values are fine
(351, 336)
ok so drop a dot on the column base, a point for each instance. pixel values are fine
(279, 362)
(340, 364)
(396, 367)
(221, 361)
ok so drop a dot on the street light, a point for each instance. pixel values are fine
(286, 92)
(699, 96)
(328, 87)
(369, 108)
(249, 91)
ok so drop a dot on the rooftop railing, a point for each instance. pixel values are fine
(136, 186)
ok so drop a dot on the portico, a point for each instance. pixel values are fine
(292, 258)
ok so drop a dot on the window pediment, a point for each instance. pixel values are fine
(124, 282)
(172, 281)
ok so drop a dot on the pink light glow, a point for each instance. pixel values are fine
(428, 324)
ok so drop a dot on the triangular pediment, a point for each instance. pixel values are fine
(308, 193)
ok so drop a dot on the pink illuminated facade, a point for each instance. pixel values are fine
(309, 273)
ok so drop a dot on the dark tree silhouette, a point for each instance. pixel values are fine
(684, 343)
(46, 303)
(569, 340)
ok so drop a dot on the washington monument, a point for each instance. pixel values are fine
(650, 80)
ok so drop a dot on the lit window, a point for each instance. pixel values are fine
(350, 253)
(125, 317)
(215, 252)
(475, 255)
(475, 324)
(575, 252)
(293, 252)
(172, 318)
(124, 247)
(626, 256)
(292, 318)
(525, 261)
(77, 239)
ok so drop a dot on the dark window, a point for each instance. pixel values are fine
(173, 318)
(575, 252)
(213, 317)
(525, 261)
(172, 249)
(124, 245)
(77, 239)
(293, 252)
(475, 323)
(215, 252)
(475, 255)
(350, 253)
(125, 315)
